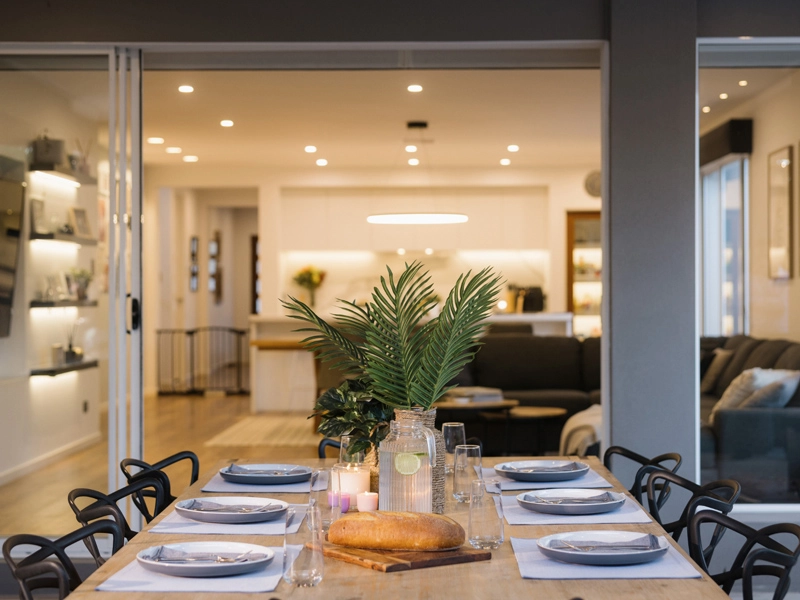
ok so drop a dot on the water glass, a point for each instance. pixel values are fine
(467, 466)
(302, 551)
(345, 454)
(485, 529)
(327, 500)
(453, 436)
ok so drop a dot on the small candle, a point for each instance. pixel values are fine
(344, 501)
(350, 478)
(340, 499)
(367, 501)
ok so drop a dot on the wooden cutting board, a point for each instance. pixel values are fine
(390, 561)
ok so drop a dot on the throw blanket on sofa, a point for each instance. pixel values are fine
(581, 431)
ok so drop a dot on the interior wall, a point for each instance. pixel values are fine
(245, 226)
(776, 124)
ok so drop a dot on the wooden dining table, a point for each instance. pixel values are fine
(495, 578)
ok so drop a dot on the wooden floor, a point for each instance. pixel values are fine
(37, 503)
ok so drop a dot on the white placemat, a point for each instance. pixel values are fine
(589, 480)
(535, 565)
(629, 512)
(218, 484)
(175, 523)
(135, 578)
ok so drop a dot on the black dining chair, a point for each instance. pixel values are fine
(327, 443)
(718, 495)
(760, 554)
(669, 461)
(157, 469)
(50, 567)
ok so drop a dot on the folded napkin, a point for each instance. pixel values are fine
(175, 523)
(165, 554)
(629, 512)
(590, 480)
(135, 578)
(217, 484)
(646, 542)
(598, 499)
(206, 505)
(535, 565)
(560, 469)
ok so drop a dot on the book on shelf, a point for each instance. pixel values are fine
(474, 394)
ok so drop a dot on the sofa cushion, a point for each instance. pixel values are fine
(774, 395)
(595, 397)
(573, 400)
(766, 354)
(720, 360)
(745, 385)
(591, 364)
(736, 364)
(790, 359)
(707, 403)
(528, 362)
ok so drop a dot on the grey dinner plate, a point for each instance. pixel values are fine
(277, 475)
(541, 470)
(263, 509)
(567, 501)
(206, 568)
(601, 556)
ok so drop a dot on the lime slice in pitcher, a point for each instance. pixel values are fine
(406, 463)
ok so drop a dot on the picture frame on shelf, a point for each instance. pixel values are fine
(38, 222)
(779, 202)
(79, 220)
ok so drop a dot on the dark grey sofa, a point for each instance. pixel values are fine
(759, 447)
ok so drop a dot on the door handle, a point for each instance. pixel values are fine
(136, 314)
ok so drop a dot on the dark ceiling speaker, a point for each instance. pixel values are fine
(593, 184)
(417, 124)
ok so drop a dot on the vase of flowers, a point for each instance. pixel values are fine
(396, 359)
(310, 278)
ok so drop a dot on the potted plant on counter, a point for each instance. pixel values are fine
(397, 357)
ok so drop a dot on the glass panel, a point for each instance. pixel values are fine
(733, 249)
(53, 114)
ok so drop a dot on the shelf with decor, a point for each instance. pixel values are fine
(61, 303)
(584, 271)
(64, 237)
(54, 170)
(65, 368)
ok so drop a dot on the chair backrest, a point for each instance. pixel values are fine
(718, 495)
(324, 443)
(149, 470)
(50, 567)
(759, 547)
(668, 462)
(84, 502)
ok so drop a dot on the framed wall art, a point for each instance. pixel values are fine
(779, 202)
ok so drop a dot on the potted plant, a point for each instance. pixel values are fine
(311, 278)
(81, 278)
(398, 358)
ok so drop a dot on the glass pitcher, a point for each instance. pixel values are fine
(407, 456)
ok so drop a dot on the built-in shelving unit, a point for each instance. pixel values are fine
(584, 271)
(64, 173)
(65, 368)
(61, 303)
(64, 237)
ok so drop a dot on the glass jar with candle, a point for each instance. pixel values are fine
(349, 480)
(407, 456)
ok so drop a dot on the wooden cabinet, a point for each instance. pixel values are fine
(584, 271)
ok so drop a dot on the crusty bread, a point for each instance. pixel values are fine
(396, 531)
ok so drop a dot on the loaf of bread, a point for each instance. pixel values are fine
(396, 531)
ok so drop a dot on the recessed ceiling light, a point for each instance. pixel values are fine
(155, 140)
(321, 162)
(190, 158)
(743, 83)
(174, 150)
(185, 89)
(723, 96)
(417, 218)
(513, 148)
(706, 109)
(415, 88)
(411, 148)
(310, 149)
(505, 161)
(428, 251)
(226, 123)
(413, 161)
(401, 251)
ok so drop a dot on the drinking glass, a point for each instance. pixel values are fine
(485, 529)
(467, 466)
(453, 436)
(345, 455)
(302, 551)
(327, 500)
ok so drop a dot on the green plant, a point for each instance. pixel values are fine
(402, 361)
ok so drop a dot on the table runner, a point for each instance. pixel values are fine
(535, 565)
(630, 512)
(217, 484)
(592, 479)
(135, 578)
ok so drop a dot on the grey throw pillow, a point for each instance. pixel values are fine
(721, 359)
(775, 395)
(746, 384)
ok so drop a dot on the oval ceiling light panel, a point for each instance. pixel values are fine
(174, 150)
(310, 149)
(513, 148)
(190, 158)
(414, 88)
(185, 89)
(417, 219)
(155, 140)
(226, 123)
